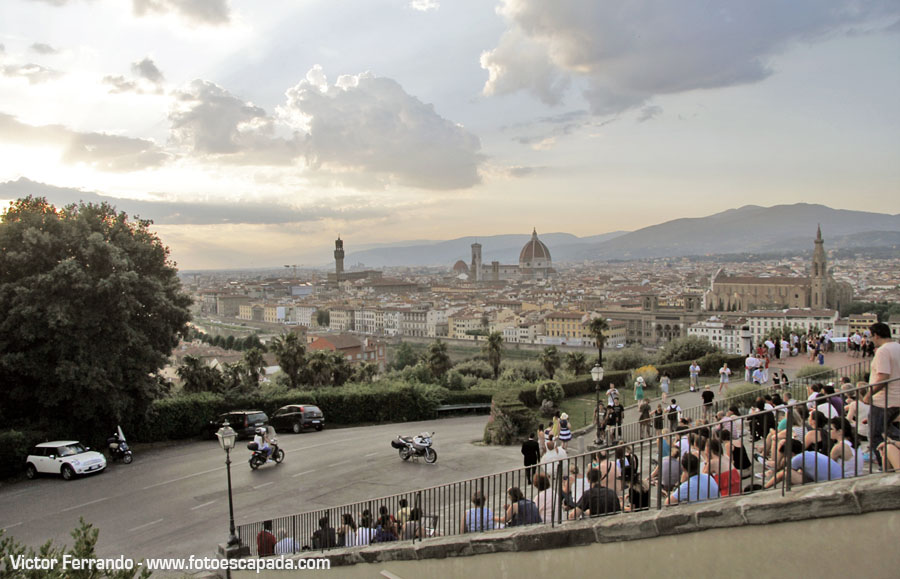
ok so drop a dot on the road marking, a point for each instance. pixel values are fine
(10, 526)
(83, 505)
(371, 454)
(201, 506)
(302, 473)
(159, 484)
(263, 485)
(145, 525)
(337, 463)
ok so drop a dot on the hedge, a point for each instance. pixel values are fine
(187, 415)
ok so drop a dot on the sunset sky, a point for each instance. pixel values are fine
(254, 131)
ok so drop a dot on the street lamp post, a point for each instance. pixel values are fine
(597, 375)
(227, 436)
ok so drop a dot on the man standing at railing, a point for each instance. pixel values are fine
(885, 366)
(695, 375)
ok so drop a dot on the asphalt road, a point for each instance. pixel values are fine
(172, 502)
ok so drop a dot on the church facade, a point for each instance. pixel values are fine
(534, 263)
(743, 293)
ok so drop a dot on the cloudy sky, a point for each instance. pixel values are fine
(254, 131)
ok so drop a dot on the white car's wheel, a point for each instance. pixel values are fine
(30, 471)
(68, 473)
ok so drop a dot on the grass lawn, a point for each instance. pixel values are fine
(581, 408)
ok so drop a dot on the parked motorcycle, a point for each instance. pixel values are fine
(415, 446)
(118, 448)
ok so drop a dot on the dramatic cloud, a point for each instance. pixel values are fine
(42, 48)
(34, 73)
(625, 54)
(201, 213)
(368, 129)
(212, 12)
(424, 5)
(102, 151)
(209, 121)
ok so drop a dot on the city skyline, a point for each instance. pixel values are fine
(254, 135)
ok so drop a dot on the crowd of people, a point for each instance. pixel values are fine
(838, 431)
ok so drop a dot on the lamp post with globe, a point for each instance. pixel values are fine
(597, 375)
(227, 436)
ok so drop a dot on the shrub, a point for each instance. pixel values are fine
(687, 348)
(454, 380)
(626, 359)
(649, 373)
(521, 371)
(14, 448)
(550, 390)
(476, 368)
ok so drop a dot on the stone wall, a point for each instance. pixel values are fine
(853, 524)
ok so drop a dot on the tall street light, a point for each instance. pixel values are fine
(597, 375)
(227, 436)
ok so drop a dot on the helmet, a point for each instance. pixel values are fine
(261, 431)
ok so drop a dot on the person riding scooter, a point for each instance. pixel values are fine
(262, 442)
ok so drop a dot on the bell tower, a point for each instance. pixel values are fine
(338, 258)
(818, 273)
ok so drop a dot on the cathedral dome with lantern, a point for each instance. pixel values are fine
(534, 259)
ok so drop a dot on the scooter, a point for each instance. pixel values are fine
(260, 457)
(118, 448)
(415, 446)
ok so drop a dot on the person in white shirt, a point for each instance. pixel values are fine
(552, 455)
(749, 366)
(724, 373)
(695, 374)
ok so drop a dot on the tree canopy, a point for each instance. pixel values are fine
(90, 308)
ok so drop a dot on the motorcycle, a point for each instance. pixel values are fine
(118, 448)
(259, 457)
(415, 446)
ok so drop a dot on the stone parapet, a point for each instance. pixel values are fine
(879, 492)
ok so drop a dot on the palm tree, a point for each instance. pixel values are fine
(192, 374)
(340, 369)
(437, 359)
(319, 365)
(255, 365)
(291, 356)
(597, 327)
(576, 362)
(549, 359)
(365, 372)
(233, 377)
(494, 350)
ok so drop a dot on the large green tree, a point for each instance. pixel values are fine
(404, 356)
(90, 309)
(494, 351)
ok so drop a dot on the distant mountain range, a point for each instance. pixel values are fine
(749, 229)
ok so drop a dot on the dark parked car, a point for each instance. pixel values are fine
(244, 422)
(297, 417)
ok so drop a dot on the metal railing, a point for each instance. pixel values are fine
(645, 474)
(797, 388)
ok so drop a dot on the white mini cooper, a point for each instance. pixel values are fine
(64, 457)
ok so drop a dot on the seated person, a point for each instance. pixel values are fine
(695, 486)
(806, 466)
(597, 500)
(479, 517)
